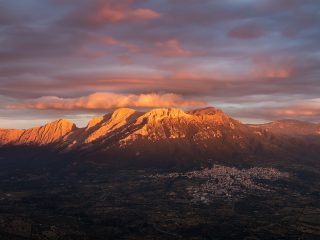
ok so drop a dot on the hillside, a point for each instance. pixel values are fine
(290, 127)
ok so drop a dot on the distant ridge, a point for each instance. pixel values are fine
(291, 127)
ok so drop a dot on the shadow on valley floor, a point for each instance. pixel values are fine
(62, 199)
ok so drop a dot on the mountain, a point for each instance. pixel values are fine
(168, 136)
(101, 127)
(163, 135)
(291, 128)
(8, 136)
(44, 135)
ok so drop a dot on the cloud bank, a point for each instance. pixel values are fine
(107, 101)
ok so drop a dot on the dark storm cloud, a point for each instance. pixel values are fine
(226, 52)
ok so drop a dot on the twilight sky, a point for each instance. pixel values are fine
(258, 60)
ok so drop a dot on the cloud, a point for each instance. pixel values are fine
(105, 101)
(171, 48)
(101, 12)
(143, 14)
(108, 40)
(249, 31)
(271, 67)
(125, 59)
(308, 109)
(294, 112)
(272, 72)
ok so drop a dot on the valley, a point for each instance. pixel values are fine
(157, 204)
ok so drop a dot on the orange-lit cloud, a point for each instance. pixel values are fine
(279, 72)
(143, 13)
(265, 68)
(171, 48)
(101, 101)
(294, 109)
(109, 11)
(297, 112)
(108, 40)
(310, 108)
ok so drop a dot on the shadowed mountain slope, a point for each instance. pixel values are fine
(291, 128)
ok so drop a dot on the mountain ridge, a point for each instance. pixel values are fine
(290, 127)
(99, 126)
(42, 135)
(166, 135)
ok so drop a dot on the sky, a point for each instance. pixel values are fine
(258, 60)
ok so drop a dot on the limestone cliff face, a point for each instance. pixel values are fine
(158, 124)
(117, 120)
(44, 135)
(94, 122)
(176, 134)
(48, 133)
(162, 124)
(101, 127)
(8, 136)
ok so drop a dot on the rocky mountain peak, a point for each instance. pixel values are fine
(8, 136)
(94, 121)
(49, 133)
(161, 113)
(207, 111)
(212, 114)
(108, 124)
(122, 113)
(62, 123)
